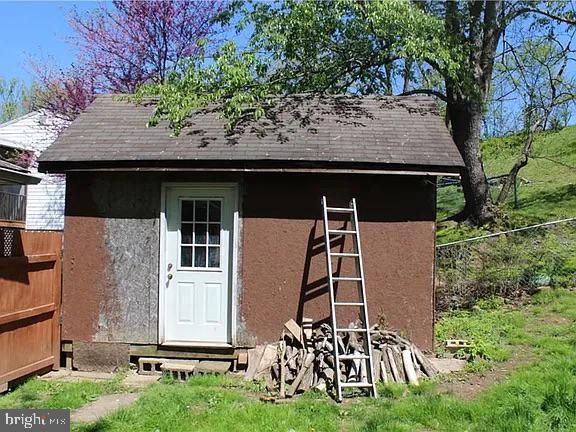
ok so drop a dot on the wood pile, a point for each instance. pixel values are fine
(304, 358)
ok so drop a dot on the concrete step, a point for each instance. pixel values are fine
(180, 370)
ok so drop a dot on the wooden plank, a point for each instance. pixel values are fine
(27, 369)
(254, 358)
(27, 313)
(409, 367)
(28, 260)
(57, 299)
(268, 358)
(4, 223)
(295, 330)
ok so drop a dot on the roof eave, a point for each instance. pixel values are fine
(249, 166)
(8, 176)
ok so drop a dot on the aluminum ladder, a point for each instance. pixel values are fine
(366, 357)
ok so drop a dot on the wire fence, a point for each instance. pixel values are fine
(508, 264)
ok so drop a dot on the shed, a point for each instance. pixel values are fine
(211, 240)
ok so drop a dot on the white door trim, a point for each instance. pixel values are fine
(162, 271)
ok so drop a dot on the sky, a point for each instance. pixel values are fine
(38, 30)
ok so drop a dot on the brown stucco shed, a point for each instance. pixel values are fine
(213, 239)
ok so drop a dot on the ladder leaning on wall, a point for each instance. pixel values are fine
(335, 305)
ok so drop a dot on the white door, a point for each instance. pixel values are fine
(197, 258)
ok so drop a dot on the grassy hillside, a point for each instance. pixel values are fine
(546, 186)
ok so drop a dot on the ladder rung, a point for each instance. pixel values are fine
(344, 254)
(342, 232)
(348, 304)
(342, 278)
(356, 384)
(357, 330)
(354, 357)
(339, 210)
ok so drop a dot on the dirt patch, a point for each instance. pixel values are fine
(468, 385)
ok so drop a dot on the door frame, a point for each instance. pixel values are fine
(232, 272)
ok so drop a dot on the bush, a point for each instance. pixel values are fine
(509, 265)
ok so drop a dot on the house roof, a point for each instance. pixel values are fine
(32, 132)
(14, 174)
(302, 130)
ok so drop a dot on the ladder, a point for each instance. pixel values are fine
(330, 234)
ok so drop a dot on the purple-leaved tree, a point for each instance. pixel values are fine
(123, 44)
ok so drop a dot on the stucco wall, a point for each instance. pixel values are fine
(283, 260)
(111, 246)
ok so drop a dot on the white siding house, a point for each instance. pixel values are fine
(34, 132)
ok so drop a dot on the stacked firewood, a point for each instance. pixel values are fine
(304, 359)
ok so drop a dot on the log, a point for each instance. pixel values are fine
(376, 358)
(428, 368)
(282, 392)
(409, 367)
(254, 357)
(383, 372)
(398, 360)
(393, 368)
(268, 358)
(305, 366)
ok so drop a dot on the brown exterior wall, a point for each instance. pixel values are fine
(284, 264)
(111, 249)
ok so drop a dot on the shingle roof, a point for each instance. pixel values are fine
(333, 130)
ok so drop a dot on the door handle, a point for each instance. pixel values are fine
(170, 276)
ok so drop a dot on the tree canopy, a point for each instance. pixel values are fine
(445, 49)
(124, 44)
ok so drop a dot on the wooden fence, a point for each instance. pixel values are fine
(30, 284)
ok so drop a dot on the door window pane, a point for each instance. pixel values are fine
(199, 256)
(186, 256)
(214, 211)
(188, 211)
(200, 226)
(213, 257)
(214, 234)
(200, 233)
(187, 233)
(201, 211)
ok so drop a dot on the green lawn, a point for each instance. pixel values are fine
(538, 396)
(546, 188)
(36, 393)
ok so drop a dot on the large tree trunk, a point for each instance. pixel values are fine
(466, 121)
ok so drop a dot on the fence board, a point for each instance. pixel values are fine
(30, 289)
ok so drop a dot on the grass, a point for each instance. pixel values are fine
(36, 393)
(538, 396)
(546, 188)
(492, 328)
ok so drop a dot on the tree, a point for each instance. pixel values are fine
(124, 44)
(537, 71)
(364, 47)
(15, 99)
